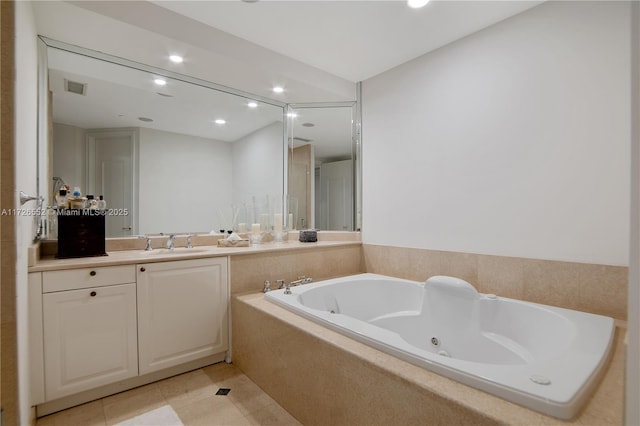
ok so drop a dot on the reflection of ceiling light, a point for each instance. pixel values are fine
(252, 105)
(145, 119)
(417, 3)
(175, 59)
(278, 89)
(160, 82)
(292, 115)
(308, 124)
(220, 121)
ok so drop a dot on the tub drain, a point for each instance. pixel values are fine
(435, 341)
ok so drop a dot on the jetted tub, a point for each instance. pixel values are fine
(542, 357)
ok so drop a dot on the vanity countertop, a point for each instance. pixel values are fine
(124, 257)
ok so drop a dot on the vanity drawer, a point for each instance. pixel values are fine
(72, 279)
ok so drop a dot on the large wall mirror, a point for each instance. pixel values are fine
(168, 155)
(175, 154)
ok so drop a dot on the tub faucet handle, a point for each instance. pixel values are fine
(267, 286)
(189, 244)
(280, 283)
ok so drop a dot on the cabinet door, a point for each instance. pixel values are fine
(182, 312)
(90, 338)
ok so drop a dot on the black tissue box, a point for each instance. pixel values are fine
(308, 236)
(81, 233)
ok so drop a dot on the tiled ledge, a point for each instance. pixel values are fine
(138, 255)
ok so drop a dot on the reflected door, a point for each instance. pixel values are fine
(111, 175)
(336, 195)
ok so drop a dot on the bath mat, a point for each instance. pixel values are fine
(164, 416)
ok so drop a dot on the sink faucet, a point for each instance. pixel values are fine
(148, 247)
(171, 241)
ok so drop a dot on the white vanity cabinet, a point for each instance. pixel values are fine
(89, 328)
(182, 311)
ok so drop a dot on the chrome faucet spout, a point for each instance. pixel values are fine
(148, 247)
(171, 242)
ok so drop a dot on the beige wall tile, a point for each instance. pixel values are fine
(600, 289)
(503, 276)
(248, 272)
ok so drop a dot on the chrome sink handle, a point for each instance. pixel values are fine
(148, 247)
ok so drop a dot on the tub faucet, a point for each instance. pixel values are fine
(301, 280)
(189, 245)
(287, 289)
(267, 286)
(171, 241)
(280, 283)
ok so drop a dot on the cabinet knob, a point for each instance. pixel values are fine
(93, 273)
(93, 294)
(142, 269)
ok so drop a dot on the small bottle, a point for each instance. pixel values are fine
(61, 199)
(92, 203)
(102, 204)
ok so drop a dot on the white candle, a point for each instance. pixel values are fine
(277, 222)
(290, 222)
(242, 227)
(255, 229)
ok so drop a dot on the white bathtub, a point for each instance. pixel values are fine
(542, 357)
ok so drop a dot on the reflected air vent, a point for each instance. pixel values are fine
(75, 87)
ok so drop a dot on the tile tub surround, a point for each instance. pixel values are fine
(249, 272)
(599, 289)
(323, 377)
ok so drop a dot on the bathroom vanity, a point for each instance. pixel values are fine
(125, 324)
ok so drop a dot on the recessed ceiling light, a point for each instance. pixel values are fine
(278, 89)
(252, 105)
(220, 121)
(166, 95)
(417, 3)
(145, 119)
(160, 81)
(176, 59)
(308, 124)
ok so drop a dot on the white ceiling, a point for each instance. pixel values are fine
(117, 96)
(354, 40)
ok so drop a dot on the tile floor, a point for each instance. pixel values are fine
(191, 396)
